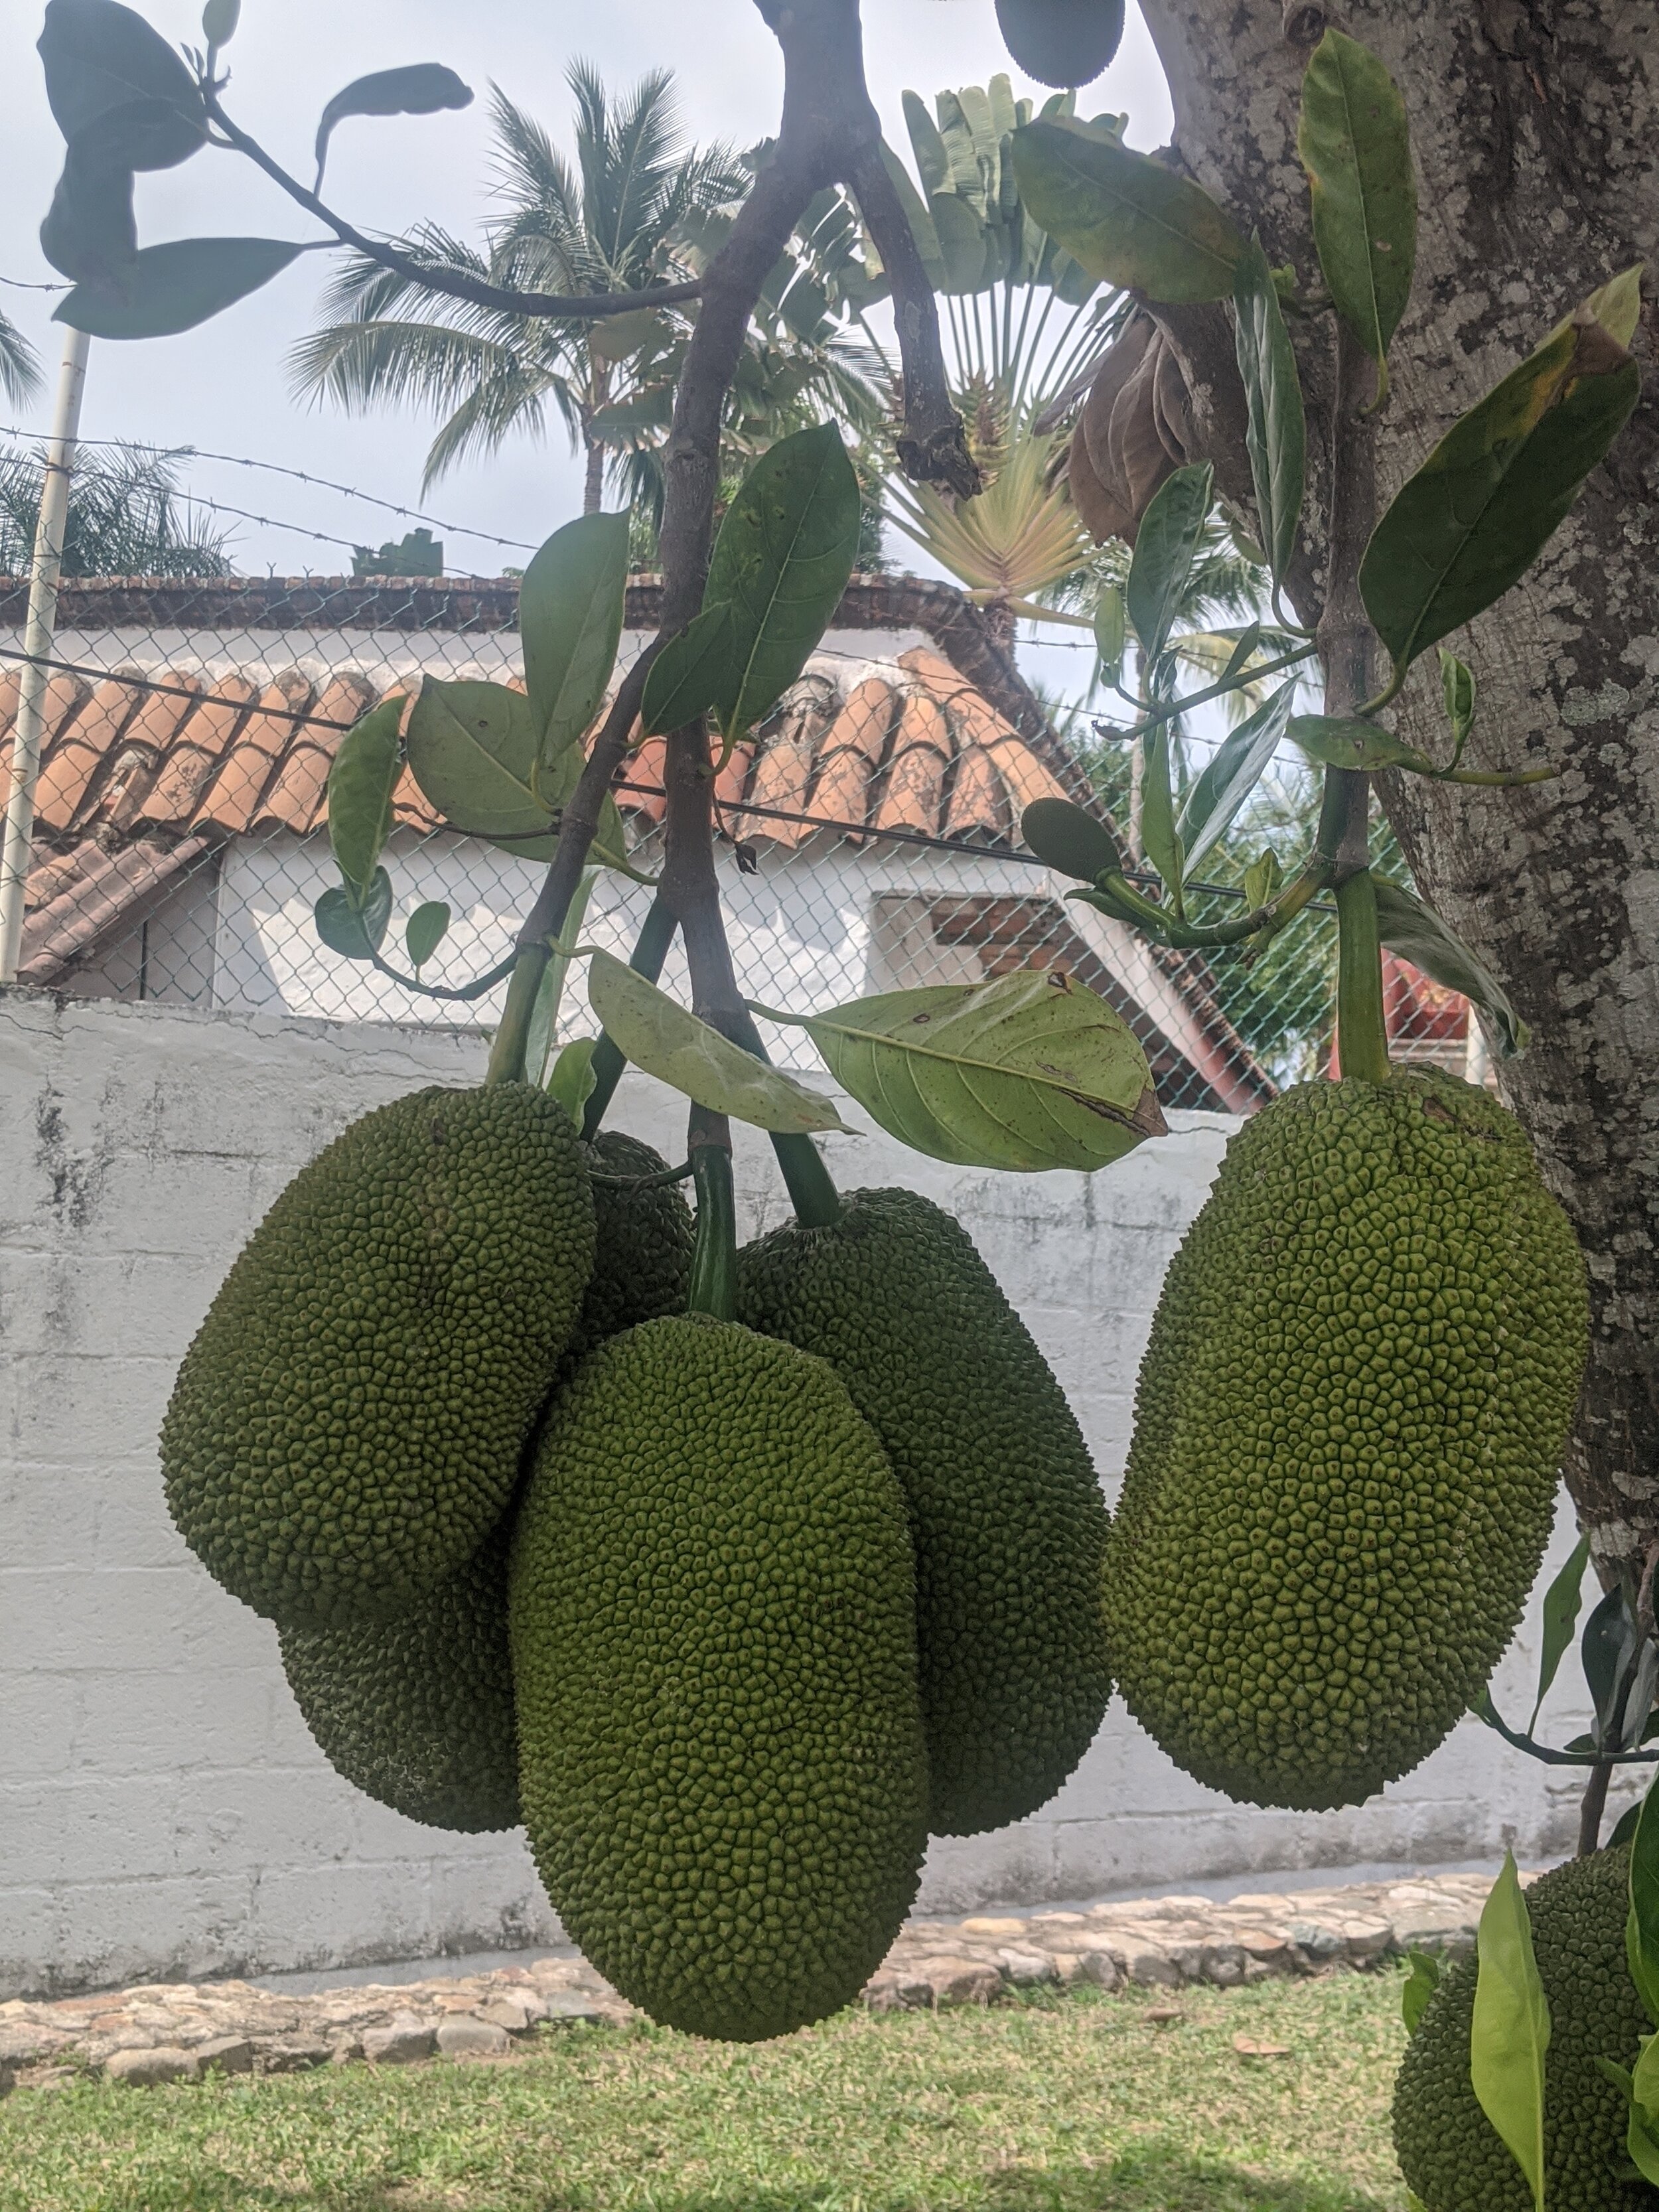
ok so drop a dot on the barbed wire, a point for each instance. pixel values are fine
(22, 284)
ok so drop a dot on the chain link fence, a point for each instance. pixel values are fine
(869, 837)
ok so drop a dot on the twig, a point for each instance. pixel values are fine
(1595, 1804)
(454, 284)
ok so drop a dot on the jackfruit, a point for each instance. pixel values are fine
(642, 1249)
(1007, 1518)
(346, 1429)
(712, 1612)
(1450, 2153)
(417, 1713)
(1348, 1425)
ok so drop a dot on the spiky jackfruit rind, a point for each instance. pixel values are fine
(714, 1643)
(1007, 1514)
(1348, 1427)
(417, 1713)
(1450, 2153)
(642, 1247)
(346, 1427)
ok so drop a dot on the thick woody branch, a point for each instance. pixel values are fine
(930, 444)
(453, 284)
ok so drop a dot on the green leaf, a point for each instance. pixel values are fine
(90, 234)
(1641, 2141)
(1417, 934)
(100, 57)
(1066, 838)
(1164, 546)
(1231, 774)
(165, 289)
(472, 748)
(618, 337)
(689, 674)
(570, 616)
(1357, 151)
(1457, 694)
(1276, 435)
(659, 1035)
(219, 21)
(351, 925)
(1421, 1984)
(1341, 741)
(1027, 1073)
(781, 563)
(1110, 630)
(1642, 1940)
(1158, 828)
(1483, 505)
(543, 1026)
(1510, 2034)
(571, 1080)
(359, 787)
(420, 88)
(1128, 220)
(1562, 1601)
(1625, 1828)
(1605, 1651)
(425, 931)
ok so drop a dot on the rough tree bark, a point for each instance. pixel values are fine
(1533, 123)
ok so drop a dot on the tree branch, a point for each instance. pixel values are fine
(454, 284)
(930, 444)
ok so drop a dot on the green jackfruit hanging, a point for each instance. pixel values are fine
(1450, 2153)
(1348, 1428)
(1006, 1516)
(346, 1427)
(642, 1248)
(713, 1645)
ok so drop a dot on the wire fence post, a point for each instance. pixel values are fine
(37, 643)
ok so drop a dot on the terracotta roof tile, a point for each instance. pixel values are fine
(79, 752)
(260, 744)
(297, 799)
(978, 804)
(643, 778)
(851, 752)
(783, 774)
(144, 743)
(65, 694)
(913, 792)
(195, 754)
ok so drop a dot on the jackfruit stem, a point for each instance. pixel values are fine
(1361, 1030)
(507, 1054)
(650, 950)
(713, 1286)
(812, 1193)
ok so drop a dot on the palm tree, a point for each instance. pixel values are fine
(610, 224)
(20, 366)
(127, 517)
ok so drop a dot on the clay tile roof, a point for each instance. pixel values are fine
(259, 744)
(296, 799)
(851, 750)
(913, 790)
(195, 754)
(65, 696)
(78, 750)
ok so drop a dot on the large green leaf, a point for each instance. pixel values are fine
(570, 616)
(1562, 1601)
(417, 88)
(167, 289)
(1344, 741)
(659, 1035)
(1277, 432)
(100, 58)
(360, 783)
(1230, 775)
(1158, 825)
(1510, 2034)
(472, 748)
(782, 562)
(1642, 1943)
(1165, 545)
(1417, 934)
(1066, 838)
(1125, 218)
(90, 234)
(1028, 1072)
(1357, 151)
(689, 674)
(1482, 507)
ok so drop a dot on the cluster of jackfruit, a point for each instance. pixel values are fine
(1452, 2157)
(1348, 1430)
(730, 1614)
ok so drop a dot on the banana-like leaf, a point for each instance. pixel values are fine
(1231, 774)
(1276, 435)
(354, 926)
(1128, 220)
(425, 931)
(1482, 507)
(1343, 741)
(782, 562)
(1642, 1941)
(1562, 1601)
(1417, 934)
(689, 674)
(1510, 2034)
(167, 289)
(360, 783)
(1420, 1985)
(570, 616)
(1027, 1073)
(661, 1036)
(473, 749)
(420, 88)
(1065, 838)
(1357, 151)
(1165, 545)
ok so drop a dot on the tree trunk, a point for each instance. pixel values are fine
(593, 490)
(1533, 123)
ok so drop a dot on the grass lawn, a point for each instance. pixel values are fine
(1070, 2102)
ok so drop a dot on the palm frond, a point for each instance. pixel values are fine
(424, 364)
(20, 364)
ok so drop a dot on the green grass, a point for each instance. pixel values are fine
(1063, 2103)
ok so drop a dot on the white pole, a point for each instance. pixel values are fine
(37, 642)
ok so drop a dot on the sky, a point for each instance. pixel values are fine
(224, 388)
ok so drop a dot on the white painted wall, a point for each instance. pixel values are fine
(162, 1810)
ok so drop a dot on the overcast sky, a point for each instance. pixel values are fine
(224, 386)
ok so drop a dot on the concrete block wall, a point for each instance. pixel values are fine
(163, 1811)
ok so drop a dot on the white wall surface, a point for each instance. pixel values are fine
(163, 1812)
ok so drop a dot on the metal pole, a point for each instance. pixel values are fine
(37, 641)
